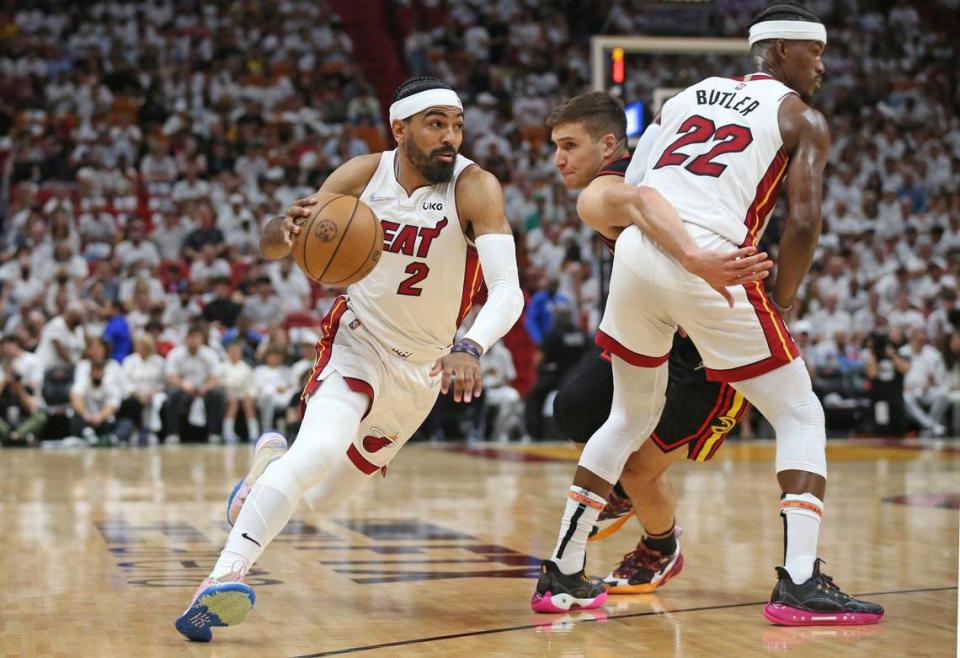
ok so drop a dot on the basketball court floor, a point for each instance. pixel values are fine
(103, 549)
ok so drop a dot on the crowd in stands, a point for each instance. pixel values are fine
(142, 146)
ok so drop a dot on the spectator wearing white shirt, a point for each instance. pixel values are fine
(925, 387)
(865, 319)
(830, 319)
(191, 187)
(193, 384)
(293, 282)
(21, 413)
(169, 234)
(939, 324)
(136, 249)
(66, 262)
(95, 405)
(143, 370)
(63, 339)
(19, 279)
(239, 386)
(835, 282)
(208, 267)
(904, 316)
(263, 309)
(158, 166)
(498, 373)
(275, 385)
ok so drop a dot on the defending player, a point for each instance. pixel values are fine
(385, 351)
(723, 149)
(589, 132)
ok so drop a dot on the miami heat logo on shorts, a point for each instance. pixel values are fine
(378, 439)
(326, 230)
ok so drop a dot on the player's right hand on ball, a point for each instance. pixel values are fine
(296, 215)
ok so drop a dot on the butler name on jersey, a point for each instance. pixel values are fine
(719, 157)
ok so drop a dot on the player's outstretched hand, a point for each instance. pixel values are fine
(298, 211)
(736, 268)
(463, 371)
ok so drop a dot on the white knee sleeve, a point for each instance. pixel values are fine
(341, 482)
(786, 399)
(638, 398)
(329, 425)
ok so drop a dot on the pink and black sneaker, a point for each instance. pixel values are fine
(557, 592)
(817, 602)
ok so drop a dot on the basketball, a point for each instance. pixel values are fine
(340, 243)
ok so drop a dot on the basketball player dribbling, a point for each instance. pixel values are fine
(719, 156)
(589, 132)
(385, 351)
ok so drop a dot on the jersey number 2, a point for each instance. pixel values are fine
(698, 130)
(418, 272)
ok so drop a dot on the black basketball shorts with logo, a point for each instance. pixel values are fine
(698, 414)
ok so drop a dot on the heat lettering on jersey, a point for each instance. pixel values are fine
(728, 99)
(409, 239)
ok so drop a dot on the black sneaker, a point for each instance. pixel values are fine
(557, 592)
(817, 602)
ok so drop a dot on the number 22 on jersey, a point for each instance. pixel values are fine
(730, 138)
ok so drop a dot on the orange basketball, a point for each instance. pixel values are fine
(340, 243)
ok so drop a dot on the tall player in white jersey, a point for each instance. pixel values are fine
(719, 155)
(386, 348)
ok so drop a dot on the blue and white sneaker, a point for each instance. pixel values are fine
(269, 447)
(215, 604)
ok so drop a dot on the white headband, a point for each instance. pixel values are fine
(407, 107)
(794, 30)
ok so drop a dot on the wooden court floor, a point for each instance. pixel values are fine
(103, 549)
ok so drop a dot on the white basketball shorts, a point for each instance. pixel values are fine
(651, 295)
(401, 393)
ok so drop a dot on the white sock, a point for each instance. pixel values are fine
(801, 518)
(579, 517)
(264, 515)
(253, 428)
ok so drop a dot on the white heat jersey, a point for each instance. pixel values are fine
(719, 158)
(420, 291)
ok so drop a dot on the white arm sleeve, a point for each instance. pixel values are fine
(498, 260)
(638, 163)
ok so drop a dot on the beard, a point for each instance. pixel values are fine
(430, 167)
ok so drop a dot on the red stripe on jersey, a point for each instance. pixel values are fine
(612, 345)
(472, 280)
(328, 331)
(363, 464)
(782, 347)
(765, 197)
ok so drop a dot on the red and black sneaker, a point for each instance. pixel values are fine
(817, 602)
(643, 570)
(618, 511)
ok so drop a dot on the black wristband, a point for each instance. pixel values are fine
(467, 347)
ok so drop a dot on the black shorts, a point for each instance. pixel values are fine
(698, 413)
